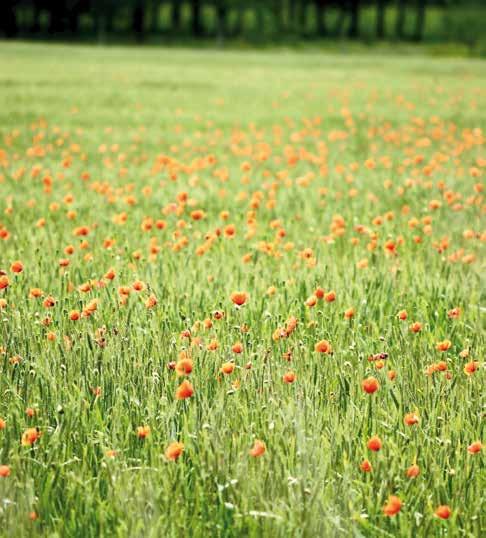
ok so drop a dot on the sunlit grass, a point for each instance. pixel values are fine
(361, 175)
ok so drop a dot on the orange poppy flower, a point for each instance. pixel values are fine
(413, 471)
(374, 443)
(454, 313)
(30, 436)
(4, 471)
(366, 466)
(237, 348)
(311, 301)
(259, 448)
(349, 313)
(319, 293)
(49, 302)
(239, 298)
(143, 432)
(370, 385)
(151, 301)
(184, 367)
(443, 511)
(416, 327)
(323, 347)
(184, 390)
(392, 506)
(475, 447)
(17, 267)
(330, 296)
(289, 377)
(35, 293)
(471, 367)
(174, 451)
(228, 368)
(444, 345)
(411, 418)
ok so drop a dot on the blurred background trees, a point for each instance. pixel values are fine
(462, 21)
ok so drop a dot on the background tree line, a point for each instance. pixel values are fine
(461, 20)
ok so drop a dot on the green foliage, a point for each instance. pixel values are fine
(115, 112)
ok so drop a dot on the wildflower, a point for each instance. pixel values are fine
(17, 267)
(258, 449)
(392, 506)
(413, 471)
(289, 377)
(471, 367)
(349, 313)
(323, 347)
(49, 302)
(330, 296)
(151, 301)
(444, 345)
(319, 293)
(411, 418)
(228, 368)
(416, 327)
(237, 348)
(374, 443)
(184, 366)
(184, 390)
(475, 447)
(74, 315)
(366, 466)
(454, 313)
(239, 298)
(174, 451)
(311, 301)
(30, 436)
(370, 385)
(143, 432)
(443, 511)
(4, 471)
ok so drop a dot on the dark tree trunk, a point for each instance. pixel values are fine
(380, 18)
(321, 17)
(260, 20)
(154, 16)
(400, 22)
(36, 9)
(56, 17)
(221, 13)
(176, 14)
(353, 31)
(292, 14)
(420, 20)
(138, 20)
(74, 22)
(282, 24)
(338, 27)
(239, 21)
(8, 19)
(303, 16)
(196, 18)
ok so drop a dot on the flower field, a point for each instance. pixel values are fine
(240, 293)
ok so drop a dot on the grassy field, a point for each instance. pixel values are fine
(341, 196)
